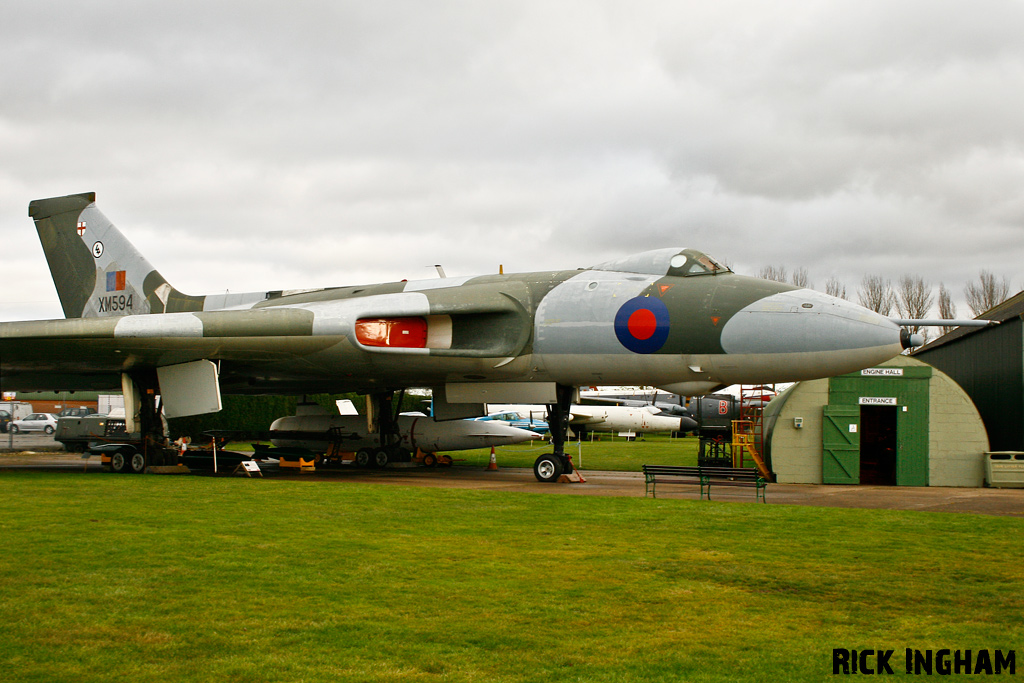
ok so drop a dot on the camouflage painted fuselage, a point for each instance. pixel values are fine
(670, 318)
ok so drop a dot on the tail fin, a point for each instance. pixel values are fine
(96, 270)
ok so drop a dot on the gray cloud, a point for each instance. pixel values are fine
(267, 146)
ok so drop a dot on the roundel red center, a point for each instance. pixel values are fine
(642, 324)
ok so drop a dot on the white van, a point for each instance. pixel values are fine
(17, 409)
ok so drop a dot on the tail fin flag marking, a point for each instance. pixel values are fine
(96, 270)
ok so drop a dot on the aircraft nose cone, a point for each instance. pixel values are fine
(804, 321)
(811, 334)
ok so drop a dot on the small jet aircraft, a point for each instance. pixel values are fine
(638, 397)
(641, 419)
(672, 318)
(534, 420)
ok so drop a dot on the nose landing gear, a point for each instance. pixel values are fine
(552, 466)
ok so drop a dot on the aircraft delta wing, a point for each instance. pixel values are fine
(672, 318)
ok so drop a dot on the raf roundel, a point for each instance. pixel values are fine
(642, 324)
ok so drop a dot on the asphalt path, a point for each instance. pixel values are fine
(988, 501)
(28, 441)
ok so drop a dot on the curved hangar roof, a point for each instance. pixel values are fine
(942, 439)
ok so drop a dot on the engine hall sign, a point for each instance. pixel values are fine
(882, 372)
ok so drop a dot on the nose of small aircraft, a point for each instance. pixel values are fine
(831, 335)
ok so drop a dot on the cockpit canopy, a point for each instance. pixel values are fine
(672, 261)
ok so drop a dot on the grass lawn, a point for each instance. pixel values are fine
(144, 578)
(605, 452)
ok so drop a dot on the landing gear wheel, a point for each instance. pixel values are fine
(429, 460)
(119, 462)
(548, 468)
(137, 463)
(363, 458)
(380, 459)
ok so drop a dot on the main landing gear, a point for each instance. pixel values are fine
(551, 466)
(382, 413)
(134, 456)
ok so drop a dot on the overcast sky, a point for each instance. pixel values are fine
(268, 145)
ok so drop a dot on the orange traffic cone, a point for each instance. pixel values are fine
(493, 465)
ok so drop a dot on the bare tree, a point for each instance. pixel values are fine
(914, 300)
(800, 278)
(947, 309)
(777, 273)
(876, 294)
(986, 293)
(834, 287)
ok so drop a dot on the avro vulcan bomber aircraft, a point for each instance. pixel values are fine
(672, 318)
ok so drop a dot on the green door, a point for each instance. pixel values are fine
(911, 391)
(840, 438)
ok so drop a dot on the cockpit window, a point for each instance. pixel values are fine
(677, 262)
(692, 262)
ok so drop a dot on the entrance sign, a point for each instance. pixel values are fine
(877, 401)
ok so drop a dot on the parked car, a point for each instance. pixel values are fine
(36, 422)
(5, 419)
(81, 411)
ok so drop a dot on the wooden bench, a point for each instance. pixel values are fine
(704, 477)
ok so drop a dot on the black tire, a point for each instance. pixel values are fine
(548, 468)
(49, 429)
(379, 459)
(15, 430)
(119, 462)
(430, 460)
(363, 458)
(137, 463)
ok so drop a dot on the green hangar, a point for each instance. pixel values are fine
(903, 423)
